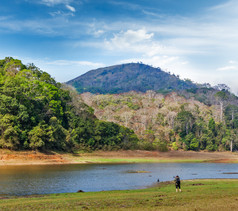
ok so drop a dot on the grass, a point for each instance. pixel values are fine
(152, 157)
(88, 159)
(195, 195)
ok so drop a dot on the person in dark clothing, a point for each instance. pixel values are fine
(177, 183)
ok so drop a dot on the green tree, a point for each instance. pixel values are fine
(185, 122)
(194, 144)
(37, 137)
(9, 133)
(212, 127)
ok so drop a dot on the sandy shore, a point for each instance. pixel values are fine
(8, 157)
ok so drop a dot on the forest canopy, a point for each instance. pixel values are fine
(171, 121)
(36, 112)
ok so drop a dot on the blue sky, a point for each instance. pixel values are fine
(66, 38)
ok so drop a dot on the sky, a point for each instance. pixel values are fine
(196, 40)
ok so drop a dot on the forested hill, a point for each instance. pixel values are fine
(128, 77)
(36, 112)
(171, 121)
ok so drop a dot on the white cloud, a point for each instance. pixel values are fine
(124, 39)
(125, 4)
(55, 2)
(62, 70)
(57, 24)
(72, 9)
(227, 68)
(76, 63)
(149, 13)
(232, 62)
(98, 33)
(53, 14)
(143, 42)
(230, 8)
(138, 41)
(65, 70)
(3, 18)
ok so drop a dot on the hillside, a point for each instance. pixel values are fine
(128, 77)
(36, 112)
(171, 121)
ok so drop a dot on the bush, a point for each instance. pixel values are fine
(160, 145)
(174, 146)
(194, 145)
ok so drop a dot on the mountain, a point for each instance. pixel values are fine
(164, 111)
(129, 77)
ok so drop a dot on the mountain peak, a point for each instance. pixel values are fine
(128, 77)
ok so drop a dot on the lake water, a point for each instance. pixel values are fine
(26, 180)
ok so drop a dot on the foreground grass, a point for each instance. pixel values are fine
(196, 195)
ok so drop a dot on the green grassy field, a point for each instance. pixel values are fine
(136, 160)
(195, 195)
(145, 160)
(140, 156)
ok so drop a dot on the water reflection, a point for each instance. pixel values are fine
(24, 180)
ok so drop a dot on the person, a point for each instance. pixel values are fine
(177, 183)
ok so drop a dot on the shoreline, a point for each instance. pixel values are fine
(21, 158)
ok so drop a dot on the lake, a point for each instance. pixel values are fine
(27, 180)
